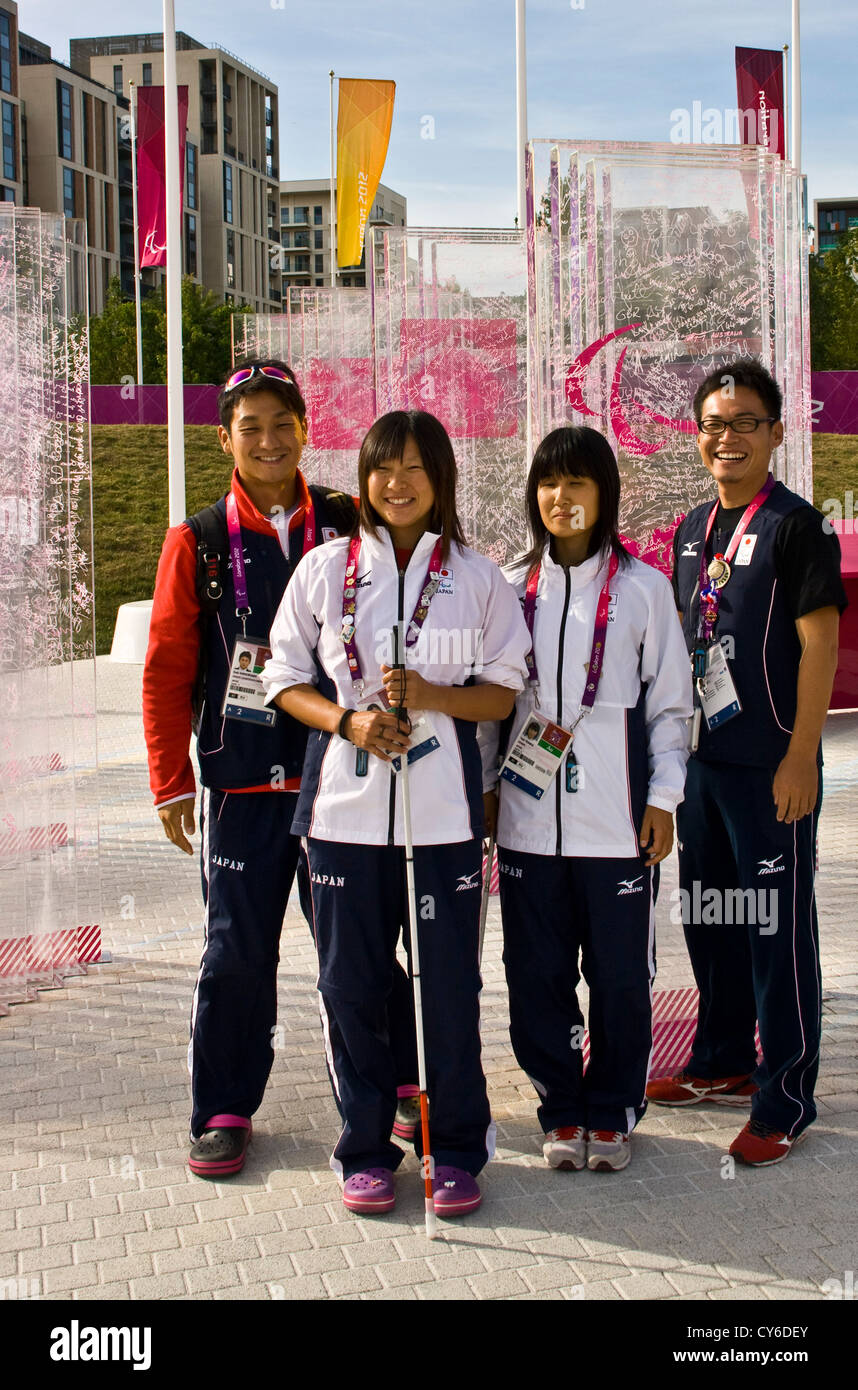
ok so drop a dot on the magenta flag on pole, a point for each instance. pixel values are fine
(760, 88)
(151, 199)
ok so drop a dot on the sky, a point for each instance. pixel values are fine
(597, 70)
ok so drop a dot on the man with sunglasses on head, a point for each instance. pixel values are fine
(220, 580)
(757, 583)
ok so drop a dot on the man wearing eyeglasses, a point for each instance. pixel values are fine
(220, 580)
(757, 583)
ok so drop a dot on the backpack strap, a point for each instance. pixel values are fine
(209, 527)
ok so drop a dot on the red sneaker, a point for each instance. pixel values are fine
(608, 1151)
(759, 1146)
(685, 1089)
(566, 1148)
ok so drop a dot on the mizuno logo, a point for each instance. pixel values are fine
(690, 548)
(468, 881)
(362, 582)
(627, 885)
(771, 866)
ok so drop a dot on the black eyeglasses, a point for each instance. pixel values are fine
(743, 424)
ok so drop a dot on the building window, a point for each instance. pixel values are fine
(7, 195)
(117, 79)
(191, 181)
(147, 74)
(227, 192)
(302, 263)
(191, 244)
(284, 217)
(5, 51)
(317, 217)
(230, 259)
(301, 215)
(84, 129)
(320, 282)
(302, 239)
(317, 240)
(64, 120)
(9, 141)
(68, 192)
(319, 265)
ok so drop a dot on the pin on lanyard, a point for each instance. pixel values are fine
(597, 651)
(714, 576)
(419, 616)
(236, 551)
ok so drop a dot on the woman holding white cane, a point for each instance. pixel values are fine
(333, 667)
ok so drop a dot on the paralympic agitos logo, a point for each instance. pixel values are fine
(625, 435)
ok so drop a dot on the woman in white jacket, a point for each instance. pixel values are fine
(583, 821)
(331, 667)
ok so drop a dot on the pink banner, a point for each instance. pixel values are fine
(760, 89)
(151, 199)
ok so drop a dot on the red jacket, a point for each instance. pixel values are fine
(170, 672)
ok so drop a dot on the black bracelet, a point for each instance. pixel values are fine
(341, 727)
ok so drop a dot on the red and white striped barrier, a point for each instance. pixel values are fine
(674, 1021)
(38, 765)
(14, 843)
(33, 955)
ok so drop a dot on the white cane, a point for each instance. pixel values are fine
(487, 888)
(428, 1165)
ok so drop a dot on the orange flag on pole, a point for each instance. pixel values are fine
(364, 118)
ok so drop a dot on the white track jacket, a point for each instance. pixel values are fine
(631, 748)
(474, 628)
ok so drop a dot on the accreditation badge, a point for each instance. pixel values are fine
(536, 754)
(245, 694)
(423, 739)
(718, 698)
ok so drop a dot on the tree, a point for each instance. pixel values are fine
(834, 307)
(206, 338)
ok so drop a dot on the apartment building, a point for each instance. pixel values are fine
(70, 156)
(304, 252)
(231, 168)
(833, 219)
(13, 170)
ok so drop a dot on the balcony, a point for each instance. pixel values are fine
(227, 125)
(208, 88)
(269, 145)
(229, 150)
(269, 116)
(274, 294)
(208, 119)
(227, 91)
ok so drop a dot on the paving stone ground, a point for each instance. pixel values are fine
(96, 1201)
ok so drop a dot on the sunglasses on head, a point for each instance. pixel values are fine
(245, 373)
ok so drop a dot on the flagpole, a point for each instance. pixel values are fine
(795, 115)
(333, 202)
(786, 152)
(520, 105)
(138, 311)
(172, 194)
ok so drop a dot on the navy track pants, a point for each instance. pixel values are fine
(359, 909)
(758, 958)
(553, 909)
(248, 861)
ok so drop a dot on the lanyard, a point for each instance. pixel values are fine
(236, 550)
(600, 629)
(710, 592)
(427, 593)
